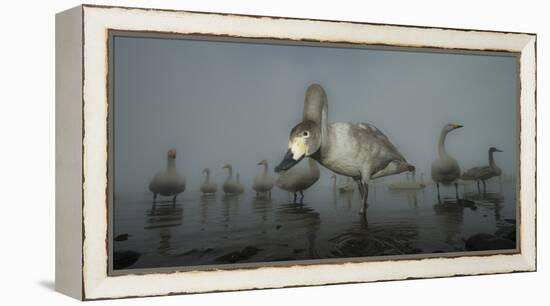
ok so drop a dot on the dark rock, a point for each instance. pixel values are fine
(296, 251)
(121, 237)
(248, 252)
(124, 259)
(483, 242)
(230, 257)
(235, 256)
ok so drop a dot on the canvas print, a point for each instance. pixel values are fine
(230, 153)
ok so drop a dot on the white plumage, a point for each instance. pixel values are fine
(168, 182)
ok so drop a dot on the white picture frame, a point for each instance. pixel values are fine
(82, 152)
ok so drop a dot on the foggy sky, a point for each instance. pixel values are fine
(221, 102)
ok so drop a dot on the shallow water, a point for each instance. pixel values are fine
(221, 229)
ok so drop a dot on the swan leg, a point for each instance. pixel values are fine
(484, 187)
(365, 204)
(269, 195)
(478, 189)
(301, 197)
(295, 196)
(174, 200)
(456, 188)
(361, 190)
(154, 198)
(438, 195)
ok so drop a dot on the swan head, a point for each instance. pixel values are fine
(171, 154)
(451, 126)
(304, 141)
(493, 149)
(227, 166)
(206, 170)
(263, 162)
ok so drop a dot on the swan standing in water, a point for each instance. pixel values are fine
(207, 187)
(483, 173)
(445, 170)
(263, 183)
(357, 150)
(230, 186)
(299, 178)
(409, 184)
(240, 188)
(168, 182)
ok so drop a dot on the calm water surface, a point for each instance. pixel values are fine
(221, 229)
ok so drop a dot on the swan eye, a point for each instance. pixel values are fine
(305, 134)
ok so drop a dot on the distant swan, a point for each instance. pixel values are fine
(483, 173)
(240, 188)
(408, 185)
(298, 179)
(357, 150)
(263, 183)
(445, 170)
(230, 186)
(208, 187)
(347, 187)
(168, 182)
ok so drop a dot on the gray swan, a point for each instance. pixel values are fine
(483, 173)
(263, 183)
(445, 170)
(299, 178)
(168, 182)
(230, 186)
(358, 150)
(208, 187)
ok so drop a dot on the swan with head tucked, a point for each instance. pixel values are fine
(240, 188)
(263, 183)
(230, 186)
(207, 186)
(299, 178)
(168, 182)
(483, 173)
(358, 150)
(445, 170)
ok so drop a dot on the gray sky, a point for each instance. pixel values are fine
(220, 102)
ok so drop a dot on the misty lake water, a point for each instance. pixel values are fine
(221, 229)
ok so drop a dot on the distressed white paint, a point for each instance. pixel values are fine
(98, 20)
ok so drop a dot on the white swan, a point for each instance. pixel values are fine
(168, 182)
(208, 187)
(240, 188)
(483, 173)
(263, 183)
(357, 150)
(230, 186)
(445, 170)
(299, 178)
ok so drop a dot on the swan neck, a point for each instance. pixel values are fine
(171, 164)
(265, 169)
(492, 163)
(316, 110)
(207, 177)
(441, 145)
(230, 173)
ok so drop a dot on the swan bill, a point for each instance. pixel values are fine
(288, 162)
